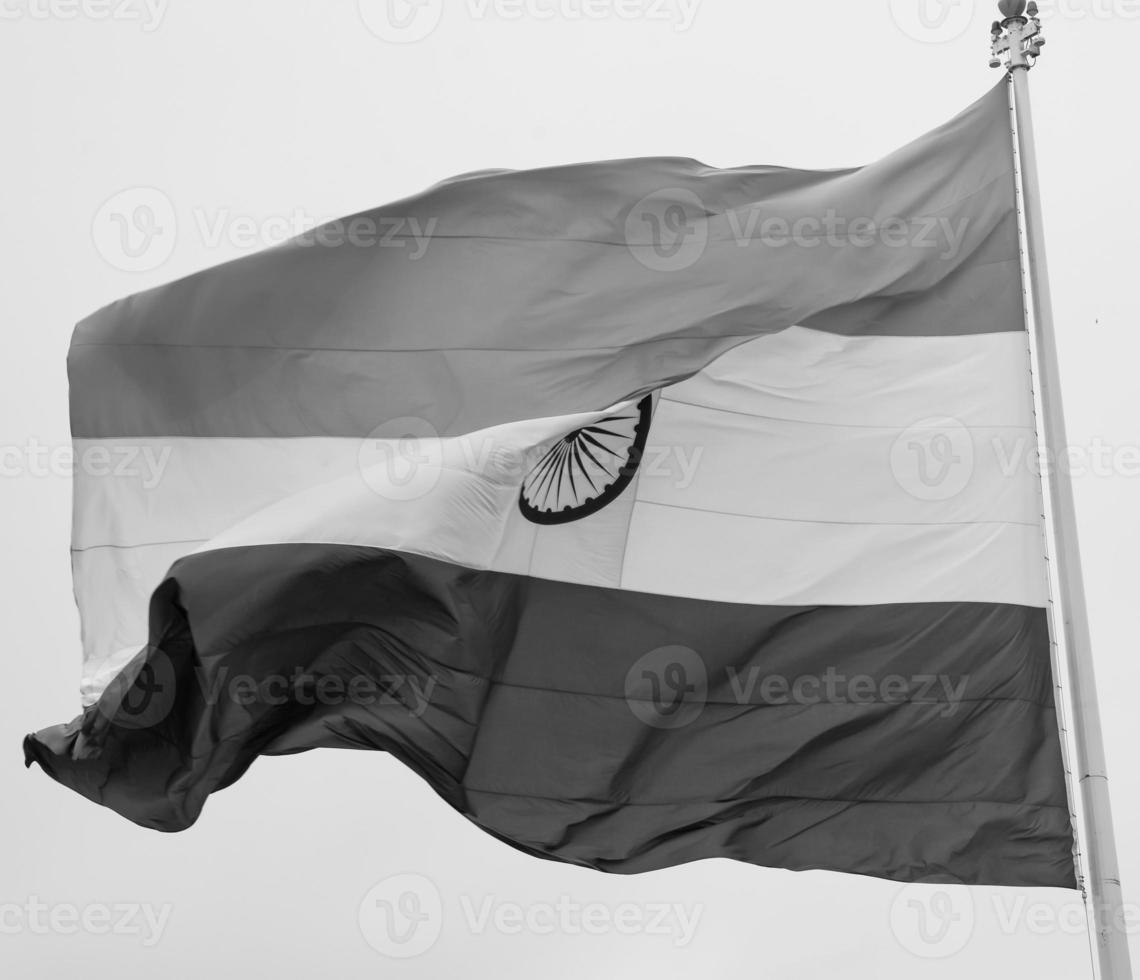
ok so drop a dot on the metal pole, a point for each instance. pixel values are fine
(1017, 44)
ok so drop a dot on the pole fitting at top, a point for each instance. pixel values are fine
(1016, 41)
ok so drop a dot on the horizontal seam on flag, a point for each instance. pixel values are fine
(758, 335)
(494, 682)
(482, 568)
(143, 544)
(731, 240)
(759, 704)
(448, 350)
(1005, 174)
(743, 209)
(836, 425)
(762, 799)
(970, 266)
(804, 520)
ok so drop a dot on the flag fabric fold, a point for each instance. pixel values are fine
(649, 512)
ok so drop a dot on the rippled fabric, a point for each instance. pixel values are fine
(519, 295)
(921, 746)
(797, 657)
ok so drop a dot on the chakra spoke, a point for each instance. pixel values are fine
(585, 473)
(595, 429)
(594, 442)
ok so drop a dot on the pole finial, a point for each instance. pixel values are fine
(1016, 42)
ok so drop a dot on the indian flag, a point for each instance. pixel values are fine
(650, 512)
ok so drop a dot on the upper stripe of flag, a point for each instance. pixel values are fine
(504, 296)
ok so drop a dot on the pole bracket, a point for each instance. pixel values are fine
(1016, 41)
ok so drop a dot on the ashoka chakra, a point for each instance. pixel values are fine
(588, 468)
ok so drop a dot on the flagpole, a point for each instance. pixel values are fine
(1017, 42)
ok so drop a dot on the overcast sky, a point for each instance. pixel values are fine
(233, 122)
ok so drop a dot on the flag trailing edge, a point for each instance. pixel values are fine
(637, 474)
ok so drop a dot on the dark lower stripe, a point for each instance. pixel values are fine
(616, 730)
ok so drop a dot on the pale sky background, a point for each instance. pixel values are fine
(245, 113)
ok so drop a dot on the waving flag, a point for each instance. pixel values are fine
(650, 512)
